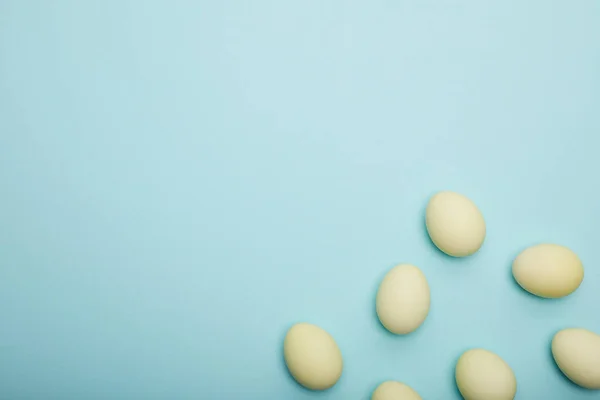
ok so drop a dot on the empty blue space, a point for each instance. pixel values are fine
(181, 181)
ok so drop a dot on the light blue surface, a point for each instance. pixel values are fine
(180, 181)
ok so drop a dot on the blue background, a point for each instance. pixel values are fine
(180, 181)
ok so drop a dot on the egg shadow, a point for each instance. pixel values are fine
(457, 393)
(513, 282)
(367, 396)
(557, 370)
(288, 374)
(373, 304)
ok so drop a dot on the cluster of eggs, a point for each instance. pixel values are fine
(457, 227)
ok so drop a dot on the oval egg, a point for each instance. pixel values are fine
(403, 299)
(454, 224)
(577, 353)
(312, 356)
(483, 375)
(392, 390)
(548, 270)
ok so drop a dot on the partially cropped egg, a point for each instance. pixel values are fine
(483, 375)
(392, 390)
(576, 351)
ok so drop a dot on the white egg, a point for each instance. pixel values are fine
(403, 299)
(455, 224)
(548, 270)
(577, 354)
(392, 390)
(312, 356)
(483, 375)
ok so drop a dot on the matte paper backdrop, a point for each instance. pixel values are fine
(181, 181)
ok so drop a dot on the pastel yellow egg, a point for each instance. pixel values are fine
(403, 299)
(392, 390)
(548, 270)
(312, 356)
(455, 224)
(483, 375)
(576, 351)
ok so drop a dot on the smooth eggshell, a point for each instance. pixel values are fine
(577, 354)
(392, 390)
(403, 299)
(483, 375)
(312, 356)
(548, 270)
(455, 224)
